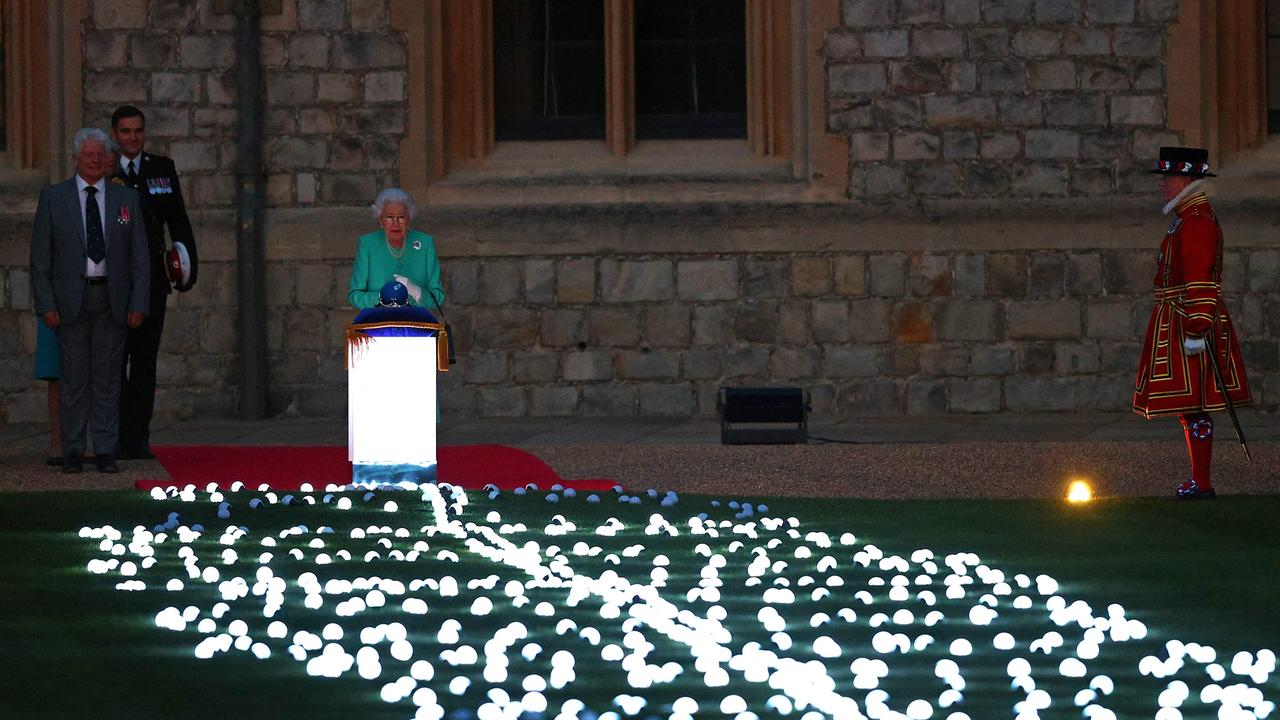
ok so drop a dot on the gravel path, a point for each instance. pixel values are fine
(884, 470)
(919, 470)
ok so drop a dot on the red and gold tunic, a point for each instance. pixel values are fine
(1189, 304)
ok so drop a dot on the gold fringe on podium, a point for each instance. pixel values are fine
(358, 340)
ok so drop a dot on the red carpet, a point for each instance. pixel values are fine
(287, 467)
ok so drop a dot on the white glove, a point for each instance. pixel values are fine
(415, 292)
(1193, 346)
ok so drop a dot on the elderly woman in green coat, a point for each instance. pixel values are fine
(394, 252)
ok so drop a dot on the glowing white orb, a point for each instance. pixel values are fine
(826, 647)
(402, 650)
(1079, 492)
(1071, 667)
(919, 710)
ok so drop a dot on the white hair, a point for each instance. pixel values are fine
(85, 134)
(393, 195)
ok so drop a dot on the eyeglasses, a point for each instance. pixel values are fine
(397, 219)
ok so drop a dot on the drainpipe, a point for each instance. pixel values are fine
(251, 184)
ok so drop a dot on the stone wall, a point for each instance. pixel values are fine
(966, 323)
(987, 261)
(335, 93)
(979, 316)
(874, 334)
(988, 98)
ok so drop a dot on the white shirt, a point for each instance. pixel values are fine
(137, 164)
(91, 268)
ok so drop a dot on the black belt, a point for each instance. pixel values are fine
(96, 280)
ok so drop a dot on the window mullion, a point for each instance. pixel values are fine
(467, 111)
(768, 81)
(619, 48)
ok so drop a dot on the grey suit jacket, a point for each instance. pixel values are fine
(58, 252)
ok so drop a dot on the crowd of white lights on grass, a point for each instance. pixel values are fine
(834, 617)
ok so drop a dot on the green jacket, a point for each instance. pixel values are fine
(375, 267)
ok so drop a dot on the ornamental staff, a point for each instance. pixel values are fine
(1175, 373)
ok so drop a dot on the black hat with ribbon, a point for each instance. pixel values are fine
(1192, 162)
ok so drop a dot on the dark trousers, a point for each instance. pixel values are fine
(138, 379)
(90, 347)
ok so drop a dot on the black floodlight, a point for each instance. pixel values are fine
(763, 416)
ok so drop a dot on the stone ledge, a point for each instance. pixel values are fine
(590, 162)
(697, 228)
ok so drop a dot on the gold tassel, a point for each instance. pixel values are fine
(357, 341)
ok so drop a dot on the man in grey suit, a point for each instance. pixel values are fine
(91, 275)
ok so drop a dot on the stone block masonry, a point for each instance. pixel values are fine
(898, 333)
(956, 278)
(335, 82)
(869, 328)
(969, 99)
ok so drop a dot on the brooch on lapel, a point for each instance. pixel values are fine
(123, 218)
(118, 180)
(417, 244)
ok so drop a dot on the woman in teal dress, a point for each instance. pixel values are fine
(394, 252)
(49, 368)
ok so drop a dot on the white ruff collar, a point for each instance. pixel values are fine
(1194, 187)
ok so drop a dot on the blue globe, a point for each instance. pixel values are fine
(394, 294)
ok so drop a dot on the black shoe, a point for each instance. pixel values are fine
(107, 464)
(1190, 490)
(72, 463)
(53, 460)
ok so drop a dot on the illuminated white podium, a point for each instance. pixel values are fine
(393, 355)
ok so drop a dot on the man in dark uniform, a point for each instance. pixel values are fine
(156, 181)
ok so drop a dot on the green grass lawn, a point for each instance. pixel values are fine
(72, 645)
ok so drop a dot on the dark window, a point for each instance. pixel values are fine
(691, 69)
(548, 69)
